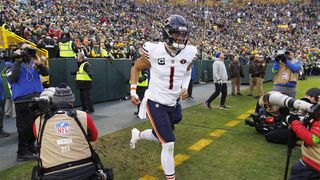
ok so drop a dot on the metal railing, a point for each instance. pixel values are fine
(9, 39)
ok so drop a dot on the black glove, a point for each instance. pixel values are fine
(290, 118)
(73, 72)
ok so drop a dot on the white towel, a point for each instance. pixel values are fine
(143, 106)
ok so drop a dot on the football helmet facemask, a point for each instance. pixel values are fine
(175, 32)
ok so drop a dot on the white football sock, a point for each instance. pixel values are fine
(148, 135)
(167, 160)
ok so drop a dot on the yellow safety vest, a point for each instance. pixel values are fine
(143, 83)
(82, 75)
(66, 49)
(104, 53)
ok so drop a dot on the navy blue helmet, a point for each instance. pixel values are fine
(175, 26)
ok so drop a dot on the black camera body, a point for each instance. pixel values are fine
(25, 54)
(281, 58)
(40, 106)
(7, 54)
(31, 52)
(263, 124)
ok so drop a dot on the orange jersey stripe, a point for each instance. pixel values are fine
(154, 126)
(144, 51)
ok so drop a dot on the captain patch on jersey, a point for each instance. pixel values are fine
(161, 61)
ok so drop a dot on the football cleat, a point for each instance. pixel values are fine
(135, 136)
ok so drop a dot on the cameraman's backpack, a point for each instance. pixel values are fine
(87, 169)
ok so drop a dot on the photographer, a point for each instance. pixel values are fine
(286, 69)
(278, 133)
(268, 120)
(308, 167)
(64, 134)
(23, 76)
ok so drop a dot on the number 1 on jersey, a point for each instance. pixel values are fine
(171, 77)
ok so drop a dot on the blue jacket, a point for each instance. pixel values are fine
(293, 67)
(28, 82)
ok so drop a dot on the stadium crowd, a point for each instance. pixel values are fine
(119, 27)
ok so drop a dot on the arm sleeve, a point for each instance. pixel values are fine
(294, 67)
(275, 67)
(13, 72)
(145, 75)
(215, 70)
(304, 134)
(87, 68)
(92, 129)
(186, 79)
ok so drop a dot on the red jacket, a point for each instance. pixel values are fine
(310, 150)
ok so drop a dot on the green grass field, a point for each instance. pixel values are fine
(240, 153)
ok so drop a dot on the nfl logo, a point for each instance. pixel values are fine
(161, 61)
(62, 127)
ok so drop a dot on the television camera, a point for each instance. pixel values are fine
(42, 105)
(9, 54)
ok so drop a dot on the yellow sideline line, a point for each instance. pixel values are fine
(243, 116)
(202, 143)
(246, 114)
(179, 159)
(250, 111)
(232, 123)
(217, 133)
(147, 177)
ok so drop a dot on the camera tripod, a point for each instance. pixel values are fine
(291, 142)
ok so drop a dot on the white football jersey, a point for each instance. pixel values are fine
(166, 72)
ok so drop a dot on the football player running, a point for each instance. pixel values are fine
(170, 73)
